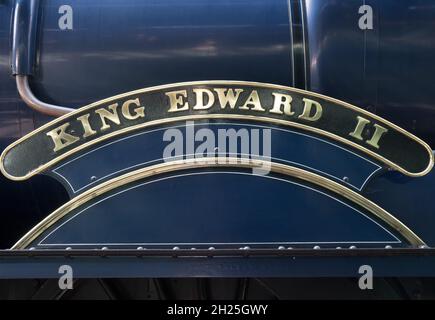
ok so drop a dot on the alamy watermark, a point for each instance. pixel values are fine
(365, 282)
(66, 279)
(365, 22)
(65, 21)
(225, 146)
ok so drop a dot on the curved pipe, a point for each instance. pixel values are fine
(33, 102)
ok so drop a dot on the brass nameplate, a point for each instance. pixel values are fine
(246, 101)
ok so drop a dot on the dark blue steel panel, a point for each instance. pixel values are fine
(121, 45)
(216, 208)
(388, 70)
(142, 149)
(131, 267)
(411, 200)
(25, 27)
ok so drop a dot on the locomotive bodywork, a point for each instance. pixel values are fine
(94, 93)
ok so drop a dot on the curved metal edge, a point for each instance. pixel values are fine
(219, 162)
(243, 117)
(33, 102)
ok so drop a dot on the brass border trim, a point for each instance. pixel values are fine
(221, 116)
(218, 162)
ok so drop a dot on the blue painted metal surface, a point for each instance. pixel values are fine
(270, 267)
(410, 199)
(290, 147)
(118, 46)
(387, 70)
(216, 208)
(25, 28)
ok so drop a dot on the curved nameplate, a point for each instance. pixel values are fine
(124, 181)
(258, 102)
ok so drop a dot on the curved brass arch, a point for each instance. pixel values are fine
(219, 116)
(219, 162)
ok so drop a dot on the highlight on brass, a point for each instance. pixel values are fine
(319, 115)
